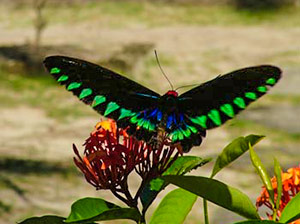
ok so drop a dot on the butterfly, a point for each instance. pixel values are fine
(185, 118)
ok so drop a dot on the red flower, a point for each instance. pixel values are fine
(110, 155)
(290, 187)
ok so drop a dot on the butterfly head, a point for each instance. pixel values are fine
(169, 101)
(172, 93)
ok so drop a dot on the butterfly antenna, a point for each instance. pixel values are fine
(186, 86)
(162, 70)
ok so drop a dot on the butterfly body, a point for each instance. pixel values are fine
(184, 118)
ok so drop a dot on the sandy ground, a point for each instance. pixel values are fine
(199, 53)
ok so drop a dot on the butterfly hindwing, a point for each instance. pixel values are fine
(109, 93)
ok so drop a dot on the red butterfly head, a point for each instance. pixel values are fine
(172, 93)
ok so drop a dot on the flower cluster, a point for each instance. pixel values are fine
(110, 155)
(290, 187)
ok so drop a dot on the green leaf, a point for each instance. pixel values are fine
(291, 212)
(181, 166)
(185, 164)
(118, 213)
(261, 170)
(216, 192)
(234, 150)
(47, 219)
(257, 222)
(174, 207)
(96, 209)
(277, 171)
(87, 208)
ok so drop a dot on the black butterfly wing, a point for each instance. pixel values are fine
(212, 103)
(109, 93)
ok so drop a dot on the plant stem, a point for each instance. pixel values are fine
(274, 213)
(128, 195)
(206, 221)
(140, 190)
(121, 198)
(142, 221)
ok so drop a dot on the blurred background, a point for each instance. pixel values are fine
(196, 41)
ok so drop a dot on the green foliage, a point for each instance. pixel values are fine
(234, 150)
(182, 165)
(47, 219)
(261, 170)
(216, 192)
(185, 164)
(229, 154)
(291, 212)
(174, 207)
(87, 208)
(96, 209)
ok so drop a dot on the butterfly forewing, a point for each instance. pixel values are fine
(214, 102)
(109, 93)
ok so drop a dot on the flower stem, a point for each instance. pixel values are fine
(121, 198)
(142, 221)
(274, 214)
(132, 201)
(206, 221)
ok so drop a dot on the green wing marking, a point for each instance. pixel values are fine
(74, 85)
(251, 95)
(98, 100)
(239, 101)
(112, 106)
(125, 113)
(271, 81)
(214, 115)
(63, 78)
(200, 120)
(85, 92)
(192, 128)
(55, 70)
(262, 89)
(186, 132)
(227, 109)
